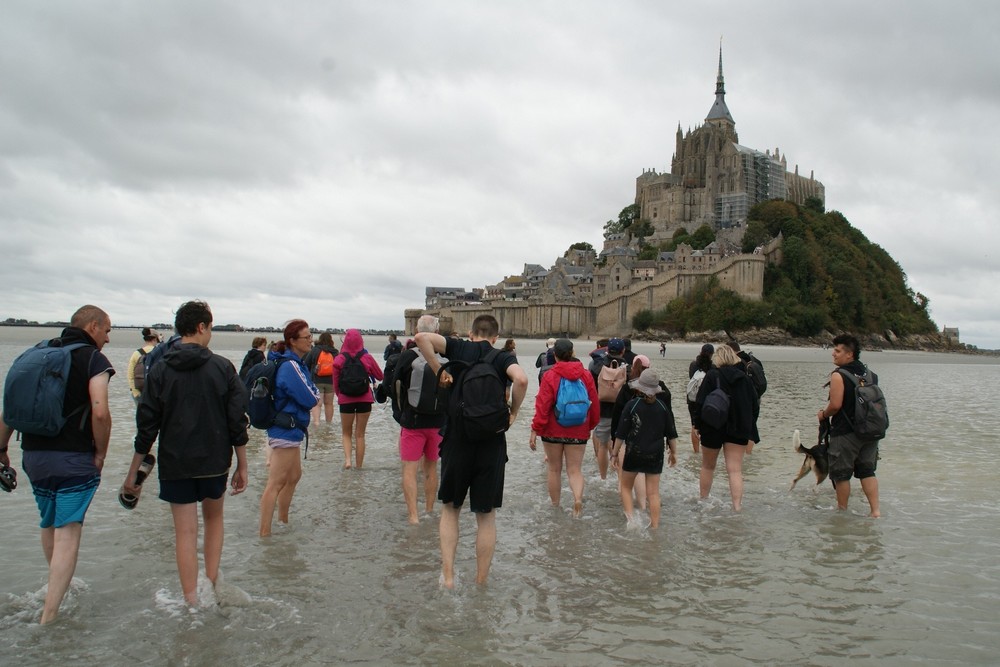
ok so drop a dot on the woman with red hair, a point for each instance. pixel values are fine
(295, 396)
(355, 401)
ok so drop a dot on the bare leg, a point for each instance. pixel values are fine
(314, 416)
(410, 490)
(554, 457)
(870, 486)
(626, 482)
(186, 548)
(211, 514)
(360, 424)
(733, 454)
(430, 483)
(278, 477)
(486, 542)
(653, 499)
(574, 472)
(448, 528)
(709, 457)
(638, 485)
(61, 547)
(328, 406)
(602, 450)
(285, 493)
(346, 434)
(695, 440)
(640, 490)
(843, 493)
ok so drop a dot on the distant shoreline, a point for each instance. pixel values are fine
(774, 337)
(235, 328)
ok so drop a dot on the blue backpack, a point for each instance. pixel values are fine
(262, 410)
(35, 389)
(156, 354)
(572, 402)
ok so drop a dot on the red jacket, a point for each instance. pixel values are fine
(544, 422)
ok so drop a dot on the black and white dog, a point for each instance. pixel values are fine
(817, 457)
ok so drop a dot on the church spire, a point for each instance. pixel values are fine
(719, 113)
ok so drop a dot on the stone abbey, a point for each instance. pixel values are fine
(713, 180)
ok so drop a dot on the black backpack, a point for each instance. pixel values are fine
(755, 371)
(384, 391)
(262, 410)
(871, 416)
(354, 380)
(477, 406)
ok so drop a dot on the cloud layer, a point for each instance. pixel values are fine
(329, 160)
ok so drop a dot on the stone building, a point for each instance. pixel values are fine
(714, 180)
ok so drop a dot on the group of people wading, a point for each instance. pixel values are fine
(195, 403)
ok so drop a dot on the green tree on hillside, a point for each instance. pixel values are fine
(626, 217)
(831, 277)
(579, 245)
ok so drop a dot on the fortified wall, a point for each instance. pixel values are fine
(605, 315)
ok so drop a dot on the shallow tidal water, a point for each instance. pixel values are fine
(787, 581)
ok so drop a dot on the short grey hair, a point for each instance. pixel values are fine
(427, 324)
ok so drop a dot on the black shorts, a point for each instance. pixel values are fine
(355, 408)
(186, 491)
(692, 411)
(476, 470)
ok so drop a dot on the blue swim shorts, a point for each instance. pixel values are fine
(63, 500)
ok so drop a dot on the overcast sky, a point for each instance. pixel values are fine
(328, 160)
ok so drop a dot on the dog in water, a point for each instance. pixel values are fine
(816, 458)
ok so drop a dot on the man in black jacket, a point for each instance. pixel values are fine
(197, 404)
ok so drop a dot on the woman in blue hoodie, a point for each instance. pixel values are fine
(294, 393)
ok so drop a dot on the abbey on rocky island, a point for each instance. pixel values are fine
(713, 180)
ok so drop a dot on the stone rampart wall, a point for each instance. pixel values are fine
(608, 314)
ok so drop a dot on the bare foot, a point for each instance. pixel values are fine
(413, 520)
(445, 582)
(577, 509)
(347, 466)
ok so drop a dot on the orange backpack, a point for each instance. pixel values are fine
(324, 364)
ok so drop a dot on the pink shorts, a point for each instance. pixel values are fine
(417, 442)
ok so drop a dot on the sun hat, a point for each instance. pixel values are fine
(648, 383)
(642, 360)
(550, 342)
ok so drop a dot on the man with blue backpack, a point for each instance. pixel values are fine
(474, 447)
(56, 396)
